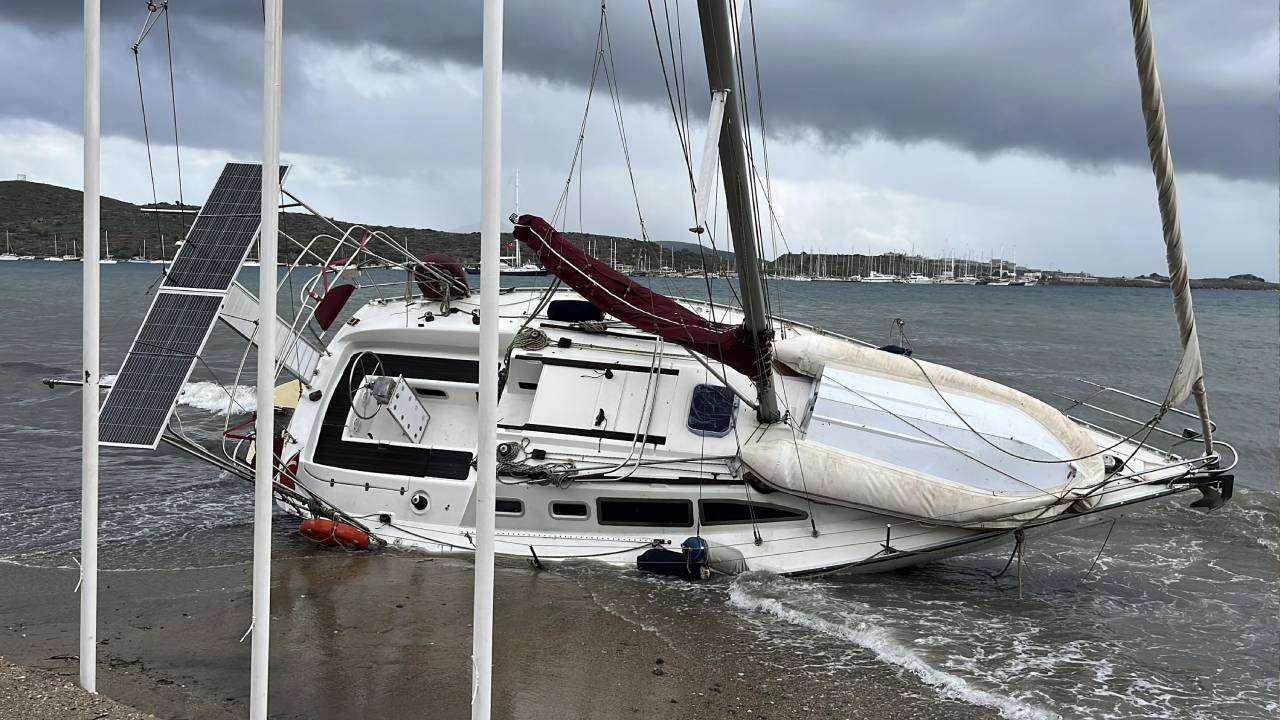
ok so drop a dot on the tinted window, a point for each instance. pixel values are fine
(654, 513)
(569, 509)
(508, 506)
(731, 512)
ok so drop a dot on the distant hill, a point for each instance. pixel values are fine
(693, 248)
(33, 213)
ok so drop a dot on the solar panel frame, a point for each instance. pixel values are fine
(177, 326)
(159, 363)
(226, 227)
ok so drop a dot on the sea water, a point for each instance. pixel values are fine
(1176, 618)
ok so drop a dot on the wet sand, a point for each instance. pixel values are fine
(388, 635)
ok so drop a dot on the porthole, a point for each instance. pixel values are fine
(420, 502)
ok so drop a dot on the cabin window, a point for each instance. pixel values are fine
(711, 410)
(508, 506)
(737, 512)
(637, 511)
(569, 510)
(431, 392)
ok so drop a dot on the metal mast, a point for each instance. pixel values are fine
(89, 341)
(273, 12)
(722, 76)
(490, 278)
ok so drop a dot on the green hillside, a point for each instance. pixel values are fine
(33, 213)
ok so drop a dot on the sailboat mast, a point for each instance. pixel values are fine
(722, 75)
(513, 242)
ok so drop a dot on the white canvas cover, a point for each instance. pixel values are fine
(878, 436)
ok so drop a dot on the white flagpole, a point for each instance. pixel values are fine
(264, 432)
(486, 443)
(89, 344)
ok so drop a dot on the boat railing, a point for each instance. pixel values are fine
(357, 249)
(1150, 423)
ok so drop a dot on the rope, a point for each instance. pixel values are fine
(557, 474)
(530, 339)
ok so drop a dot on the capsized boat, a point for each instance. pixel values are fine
(635, 428)
(628, 424)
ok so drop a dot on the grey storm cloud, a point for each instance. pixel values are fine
(1050, 79)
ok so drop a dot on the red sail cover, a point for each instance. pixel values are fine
(635, 304)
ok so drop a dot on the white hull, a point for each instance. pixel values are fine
(876, 277)
(561, 401)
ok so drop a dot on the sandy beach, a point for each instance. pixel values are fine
(388, 635)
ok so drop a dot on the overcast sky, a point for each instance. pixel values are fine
(974, 126)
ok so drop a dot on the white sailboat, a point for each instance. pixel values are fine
(8, 252)
(106, 258)
(141, 257)
(514, 265)
(55, 257)
(673, 433)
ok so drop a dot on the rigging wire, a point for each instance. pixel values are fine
(146, 137)
(173, 103)
(615, 94)
(563, 202)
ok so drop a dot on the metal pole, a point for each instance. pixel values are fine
(264, 432)
(722, 74)
(486, 443)
(1167, 196)
(89, 344)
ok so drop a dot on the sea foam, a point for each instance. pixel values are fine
(216, 398)
(886, 649)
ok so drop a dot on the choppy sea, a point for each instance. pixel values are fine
(1178, 617)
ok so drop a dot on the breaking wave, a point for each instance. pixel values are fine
(212, 397)
(216, 398)
(759, 594)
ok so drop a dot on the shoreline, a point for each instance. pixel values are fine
(388, 635)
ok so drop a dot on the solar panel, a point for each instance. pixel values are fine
(158, 364)
(219, 239)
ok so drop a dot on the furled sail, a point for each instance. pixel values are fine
(635, 304)
(1189, 378)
